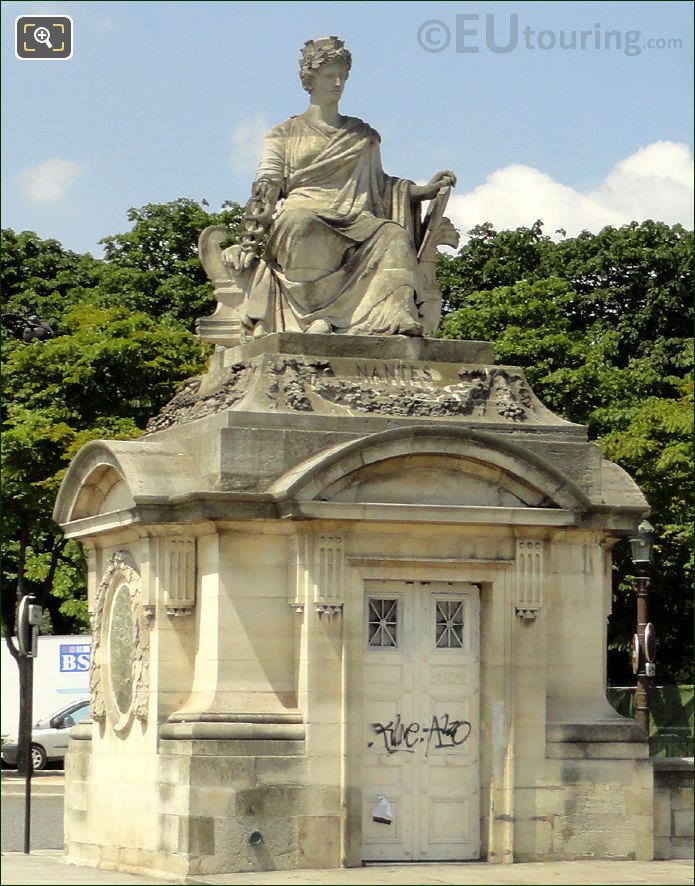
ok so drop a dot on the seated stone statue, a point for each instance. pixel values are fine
(345, 250)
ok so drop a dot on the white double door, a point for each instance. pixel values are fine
(421, 721)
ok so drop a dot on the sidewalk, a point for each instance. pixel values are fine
(45, 868)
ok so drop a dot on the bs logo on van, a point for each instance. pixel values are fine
(75, 657)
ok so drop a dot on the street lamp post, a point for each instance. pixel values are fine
(644, 643)
(28, 329)
(28, 621)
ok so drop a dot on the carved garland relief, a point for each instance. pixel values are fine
(389, 391)
(306, 385)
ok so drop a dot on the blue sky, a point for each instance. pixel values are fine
(169, 99)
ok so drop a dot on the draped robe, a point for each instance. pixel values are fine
(341, 248)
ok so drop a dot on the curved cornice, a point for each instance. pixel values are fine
(308, 480)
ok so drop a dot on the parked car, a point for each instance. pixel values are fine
(49, 737)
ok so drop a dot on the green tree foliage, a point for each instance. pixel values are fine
(602, 324)
(124, 343)
(40, 277)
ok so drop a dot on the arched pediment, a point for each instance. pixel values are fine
(441, 466)
(104, 491)
(107, 477)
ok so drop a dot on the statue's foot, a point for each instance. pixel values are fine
(396, 315)
(403, 324)
(414, 329)
(319, 327)
(403, 316)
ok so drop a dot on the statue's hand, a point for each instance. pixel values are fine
(238, 258)
(445, 178)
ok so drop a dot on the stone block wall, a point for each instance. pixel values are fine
(251, 810)
(673, 807)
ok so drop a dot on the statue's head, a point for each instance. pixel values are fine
(322, 51)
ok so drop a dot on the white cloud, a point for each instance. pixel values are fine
(49, 181)
(247, 142)
(655, 182)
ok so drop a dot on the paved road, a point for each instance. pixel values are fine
(46, 812)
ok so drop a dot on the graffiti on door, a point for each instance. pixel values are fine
(442, 732)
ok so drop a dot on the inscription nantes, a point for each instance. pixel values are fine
(398, 372)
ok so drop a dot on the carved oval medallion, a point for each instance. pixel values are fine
(121, 649)
(119, 679)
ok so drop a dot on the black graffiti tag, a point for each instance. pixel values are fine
(442, 732)
(448, 734)
(397, 736)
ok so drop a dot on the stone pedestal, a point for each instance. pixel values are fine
(248, 701)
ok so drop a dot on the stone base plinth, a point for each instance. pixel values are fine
(356, 568)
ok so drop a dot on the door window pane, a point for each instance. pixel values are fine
(383, 623)
(448, 629)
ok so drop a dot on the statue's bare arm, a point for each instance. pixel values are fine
(258, 215)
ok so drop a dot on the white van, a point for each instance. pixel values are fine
(61, 676)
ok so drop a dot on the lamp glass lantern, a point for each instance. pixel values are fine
(642, 544)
